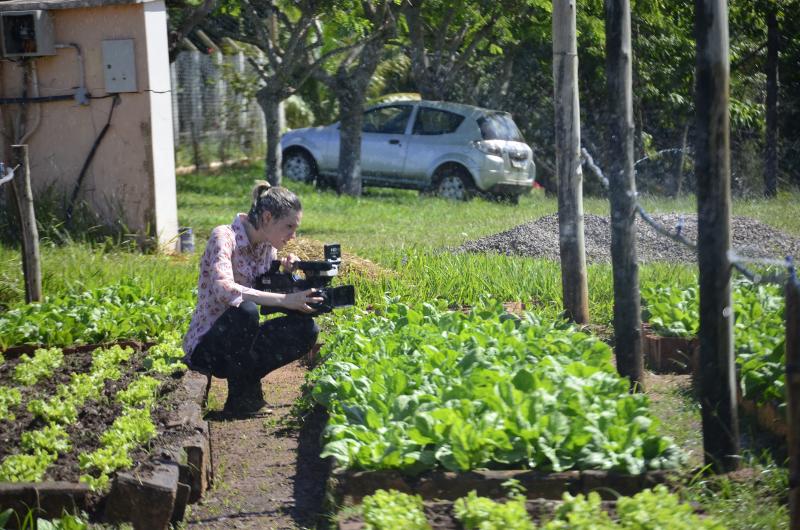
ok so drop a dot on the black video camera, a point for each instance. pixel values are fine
(317, 275)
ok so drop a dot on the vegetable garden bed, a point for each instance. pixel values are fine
(673, 316)
(653, 508)
(767, 415)
(441, 402)
(669, 355)
(74, 419)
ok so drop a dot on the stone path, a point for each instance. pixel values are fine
(267, 470)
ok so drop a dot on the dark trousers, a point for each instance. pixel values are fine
(240, 349)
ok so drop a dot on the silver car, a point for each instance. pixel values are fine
(453, 150)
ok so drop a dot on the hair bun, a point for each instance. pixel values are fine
(261, 186)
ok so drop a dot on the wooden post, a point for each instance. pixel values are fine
(716, 377)
(568, 163)
(793, 397)
(31, 264)
(627, 318)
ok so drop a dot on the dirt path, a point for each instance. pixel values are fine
(267, 470)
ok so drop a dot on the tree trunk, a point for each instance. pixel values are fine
(352, 117)
(627, 318)
(716, 375)
(568, 165)
(270, 102)
(771, 162)
(350, 87)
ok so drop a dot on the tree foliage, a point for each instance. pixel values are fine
(499, 54)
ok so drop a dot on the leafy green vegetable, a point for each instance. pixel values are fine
(758, 329)
(167, 356)
(391, 510)
(671, 312)
(9, 397)
(581, 513)
(25, 467)
(52, 439)
(102, 315)
(760, 350)
(419, 388)
(658, 508)
(41, 365)
(481, 513)
(130, 430)
(141, 392)
(63, 407)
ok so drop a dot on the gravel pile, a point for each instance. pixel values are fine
(539, 239)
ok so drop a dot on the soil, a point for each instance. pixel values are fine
(95, 417)
(539, 239)
(267, 469)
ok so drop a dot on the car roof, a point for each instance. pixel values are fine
(461, 108)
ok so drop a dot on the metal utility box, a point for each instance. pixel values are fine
(27, 34)
(119, 66)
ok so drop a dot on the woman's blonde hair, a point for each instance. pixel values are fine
(276, 200)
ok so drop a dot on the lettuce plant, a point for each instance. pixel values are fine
(478, 513)
(9, 397)
(391, 510)
(43, 363)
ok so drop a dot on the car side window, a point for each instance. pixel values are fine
(434, 121)
(387, 120)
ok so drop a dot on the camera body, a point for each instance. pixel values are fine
(317, 275)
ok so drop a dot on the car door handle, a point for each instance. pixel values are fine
(394, 142)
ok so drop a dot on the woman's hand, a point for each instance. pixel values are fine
(300, 300)
(289, 262)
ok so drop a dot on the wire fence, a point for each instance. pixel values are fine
(214, 112)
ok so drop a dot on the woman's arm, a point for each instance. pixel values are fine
(297, 301)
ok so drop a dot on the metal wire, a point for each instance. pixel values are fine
(736, 260)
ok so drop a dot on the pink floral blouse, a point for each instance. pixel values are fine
(228, 269)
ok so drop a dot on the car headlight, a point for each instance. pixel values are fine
(488, 148)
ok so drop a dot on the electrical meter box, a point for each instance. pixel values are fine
(27, 33)
(119, 65)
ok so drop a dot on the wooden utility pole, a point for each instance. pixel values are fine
(31, 264)
(771, 158)
(793, 398)
(716, 377)
(568, 163)
(627, 318)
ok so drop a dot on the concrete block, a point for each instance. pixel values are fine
(49, 499)
(144, 497)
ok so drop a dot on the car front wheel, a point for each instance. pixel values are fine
(453, 183)
(298, 166)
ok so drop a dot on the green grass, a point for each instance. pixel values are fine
(388, 220)
(80, 267)
(381, 220)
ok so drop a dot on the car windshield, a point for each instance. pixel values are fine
(499, 126)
